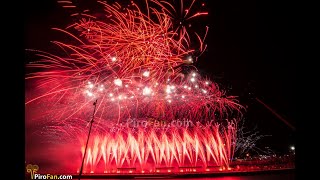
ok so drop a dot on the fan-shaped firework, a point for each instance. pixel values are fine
(204, 145)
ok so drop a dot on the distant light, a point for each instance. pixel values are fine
(185, 86)
(189, 88)
(193, 79)
(113, 59)
(126, 85)
(292, 148)
(110, 94)
(90, 94)
(91, 86)
(146, 91)
(207, 83)
(194, 74)
(172, 87)
(89, 82)
(101, 89)
(168, 79)
(169, 101)
(204, 91)
(190, 59)
(146, 74)
(183, 96)
(196, 86)
(118, 82)
(120, 97)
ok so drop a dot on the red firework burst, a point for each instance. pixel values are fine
(132, 61)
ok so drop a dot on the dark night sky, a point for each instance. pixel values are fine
(249, 51)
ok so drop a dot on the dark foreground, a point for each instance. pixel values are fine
(283, 174)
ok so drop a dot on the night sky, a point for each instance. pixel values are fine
(249, 54)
